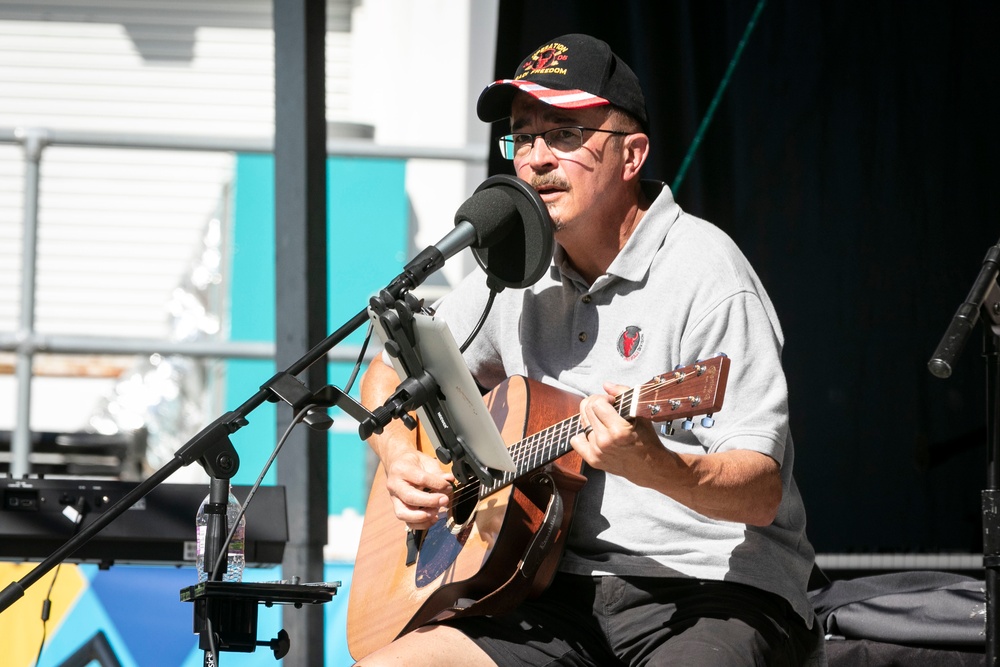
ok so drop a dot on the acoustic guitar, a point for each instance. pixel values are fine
(499, 543)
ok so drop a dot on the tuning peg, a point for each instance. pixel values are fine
(687, 424)
(667, 428)
(707, 421)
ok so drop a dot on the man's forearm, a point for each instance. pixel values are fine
(377, 384)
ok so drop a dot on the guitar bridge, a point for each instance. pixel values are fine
(414, 539)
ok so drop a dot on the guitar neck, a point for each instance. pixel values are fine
(697, 389)
(547, 445)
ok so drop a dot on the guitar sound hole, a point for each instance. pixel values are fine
(444, 540)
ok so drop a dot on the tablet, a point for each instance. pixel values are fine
(464, 405)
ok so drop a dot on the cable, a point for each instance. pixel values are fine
(361, 358)
(212, 649)
(224, 550)
(482, 320)
(715, 100)
(80, 506)
(46, 608)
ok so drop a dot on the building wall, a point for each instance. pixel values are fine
(118, 228)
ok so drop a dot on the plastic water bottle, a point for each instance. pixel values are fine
(237, 559)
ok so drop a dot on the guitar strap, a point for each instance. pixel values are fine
(545, 549)
(551, 522)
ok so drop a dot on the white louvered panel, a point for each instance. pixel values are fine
(117, 228)
(108, 48)
(244, 13)
(11, 214)
(229, 13)
(116, 231)
(69, 82)
(80, 75)
(126, 164)
(126, 175)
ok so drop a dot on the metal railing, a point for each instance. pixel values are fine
(349, 140)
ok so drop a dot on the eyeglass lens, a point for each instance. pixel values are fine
(559, 139)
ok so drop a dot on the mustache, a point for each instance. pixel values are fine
(548, 181)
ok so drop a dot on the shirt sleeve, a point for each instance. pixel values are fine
(754, 415)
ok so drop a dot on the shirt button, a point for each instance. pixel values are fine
(586, 298)
(583, 336)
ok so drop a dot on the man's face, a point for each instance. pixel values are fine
(572, 185)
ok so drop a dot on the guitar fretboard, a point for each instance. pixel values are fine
(546, 446)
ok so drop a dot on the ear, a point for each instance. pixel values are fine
(636, 150)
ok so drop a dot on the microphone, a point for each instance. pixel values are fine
(508, 227)
(481, 221)
(965, 318)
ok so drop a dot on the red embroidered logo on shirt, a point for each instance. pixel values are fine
(630, 342)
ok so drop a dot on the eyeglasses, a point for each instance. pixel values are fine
(559, 140)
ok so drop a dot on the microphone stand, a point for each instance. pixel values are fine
(984, 297)
(225, 612)
(220, 604)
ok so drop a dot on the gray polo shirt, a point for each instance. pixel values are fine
(678, 292)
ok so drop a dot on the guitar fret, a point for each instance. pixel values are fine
(624, 399)
(525, 463)
(558, 434)
(539, 452)
(532, 449)
(532, 446)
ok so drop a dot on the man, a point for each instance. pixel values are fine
(684, 550)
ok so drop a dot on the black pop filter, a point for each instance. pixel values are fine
(518, 257)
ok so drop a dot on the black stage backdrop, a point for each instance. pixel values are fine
(854, 159)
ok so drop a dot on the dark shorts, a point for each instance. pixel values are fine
(610, 621)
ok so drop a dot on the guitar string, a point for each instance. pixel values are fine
(523, 450)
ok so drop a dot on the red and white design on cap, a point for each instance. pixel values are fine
(564, 99)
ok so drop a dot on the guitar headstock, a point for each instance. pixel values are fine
(698, 389)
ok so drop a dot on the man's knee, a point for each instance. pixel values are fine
(429, 646)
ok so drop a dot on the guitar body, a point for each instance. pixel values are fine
(459, 568)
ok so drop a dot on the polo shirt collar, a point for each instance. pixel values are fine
(634, 260)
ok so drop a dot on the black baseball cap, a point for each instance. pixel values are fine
(570, 72)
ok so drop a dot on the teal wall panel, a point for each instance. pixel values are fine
(366, 248)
